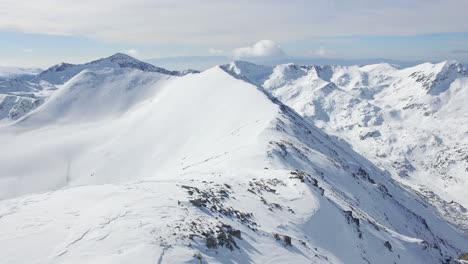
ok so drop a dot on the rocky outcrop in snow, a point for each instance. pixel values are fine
(124, 165)
(405, 120)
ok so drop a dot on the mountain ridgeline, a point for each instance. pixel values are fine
(118, 161)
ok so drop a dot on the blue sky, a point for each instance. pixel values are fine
(44, 32)
(42, 50)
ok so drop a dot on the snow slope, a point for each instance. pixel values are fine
(19, 97)
(124, 165)
(23, 90)
(410, 122)
(106, 92)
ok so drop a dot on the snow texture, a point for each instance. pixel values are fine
(238, 164)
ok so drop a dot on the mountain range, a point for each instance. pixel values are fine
(206, 62)
(120, 161)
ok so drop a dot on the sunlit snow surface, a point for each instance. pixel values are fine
(123, 165)
(411, 122)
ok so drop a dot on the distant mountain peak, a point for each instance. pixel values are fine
(59, 67)
(248, 165)
(118, 58)
(453, 66)
(60, 73)
(435, 78)
(121, 55)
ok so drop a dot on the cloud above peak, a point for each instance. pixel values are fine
(263, 48)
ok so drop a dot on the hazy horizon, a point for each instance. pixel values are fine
(205, 62)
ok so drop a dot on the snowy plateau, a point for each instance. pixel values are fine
(120, 161)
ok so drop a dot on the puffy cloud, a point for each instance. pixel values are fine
(263, 48)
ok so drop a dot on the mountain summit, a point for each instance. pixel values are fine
(405, 120)
(60, 73)
(126, 165)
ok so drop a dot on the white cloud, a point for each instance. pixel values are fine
(131, 52)
(211, 22)
(26, 50)
(263, 48)
(215, 51)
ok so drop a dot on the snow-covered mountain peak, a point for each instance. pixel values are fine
(63, 72)
(452, 69)
(453, 64)
(22, 90)
(122, 57)
(290, 70)
(436, 78)
(241, 163)
(444, 67)
(253, 73)
(380, 68)
(59, 67)
(244, 66)
(122, 60)
(404, 119)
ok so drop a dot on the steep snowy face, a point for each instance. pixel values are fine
(106, 93)
(410, 121)
(142, 167)
(252, 73)
(436, 78)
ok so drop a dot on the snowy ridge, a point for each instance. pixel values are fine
(125, 165)
(436, 78)
(63, 72)
(105, 92)
(406, 120)
(23, 90)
